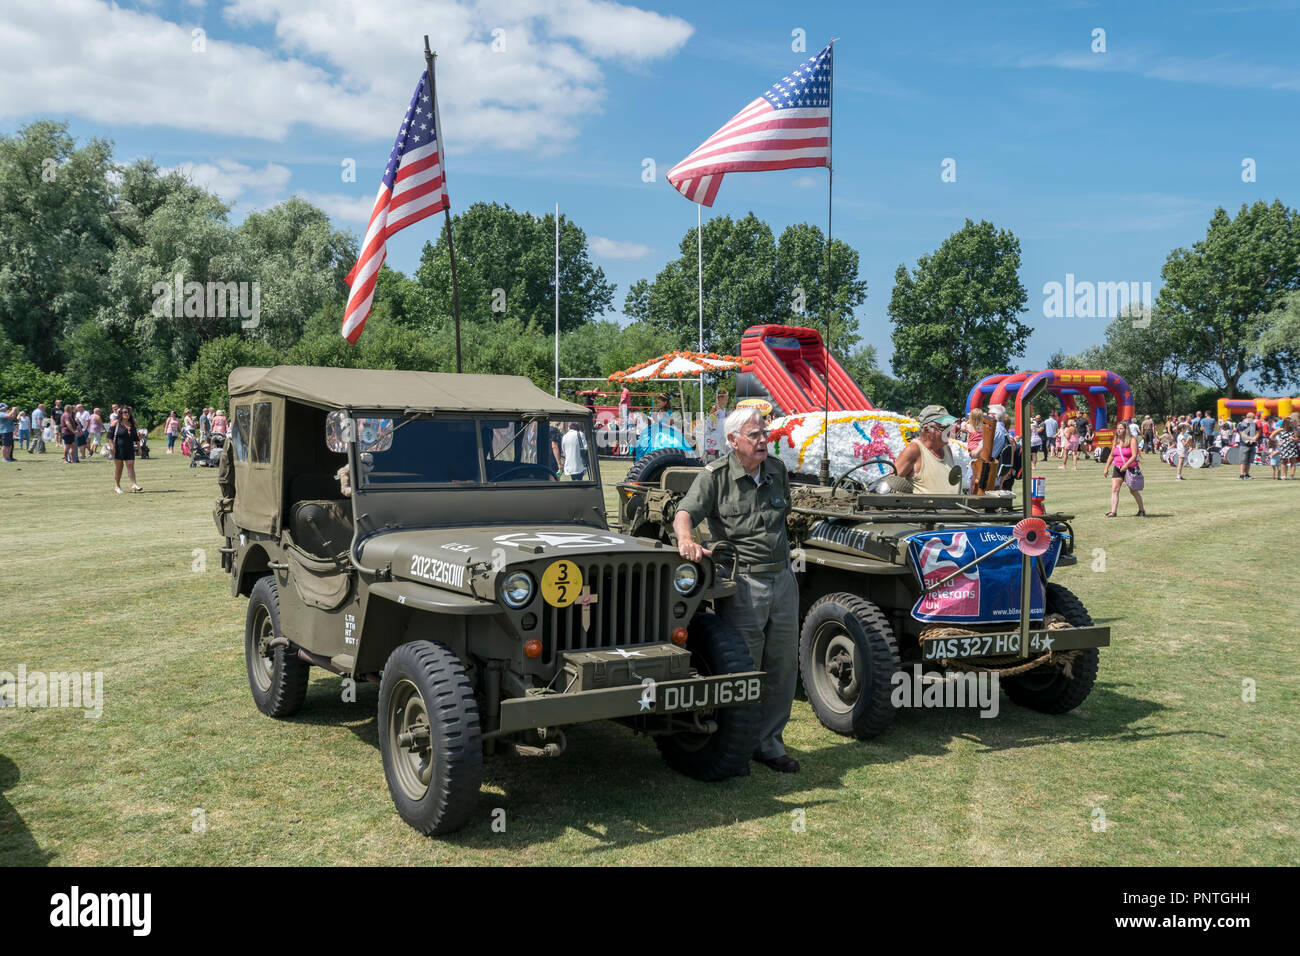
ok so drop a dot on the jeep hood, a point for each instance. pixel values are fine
(452, 557)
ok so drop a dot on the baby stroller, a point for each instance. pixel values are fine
(187, 441)
(207, 455)
(144, 443)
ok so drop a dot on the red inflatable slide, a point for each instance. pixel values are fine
(790, 366)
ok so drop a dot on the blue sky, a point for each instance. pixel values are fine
(1100, 162)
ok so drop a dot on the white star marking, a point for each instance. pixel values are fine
(626, 654)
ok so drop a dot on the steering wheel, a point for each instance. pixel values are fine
(526, 467)
(878, 460)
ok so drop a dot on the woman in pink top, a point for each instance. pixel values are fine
(1124, 458)
(170, 429)
(96, 428)
(219, 423)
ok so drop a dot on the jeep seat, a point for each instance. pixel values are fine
(312, 486)
(322, 528)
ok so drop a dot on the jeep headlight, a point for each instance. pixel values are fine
(517, 589)
(685, 578)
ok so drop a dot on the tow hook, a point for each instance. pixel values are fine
(553, 748)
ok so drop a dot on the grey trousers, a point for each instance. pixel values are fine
(765, 611)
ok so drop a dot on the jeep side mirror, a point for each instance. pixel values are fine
(340, 431)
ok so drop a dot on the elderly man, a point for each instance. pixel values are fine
(927, 459)
(745, 495)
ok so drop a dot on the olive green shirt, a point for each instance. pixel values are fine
(751, 515)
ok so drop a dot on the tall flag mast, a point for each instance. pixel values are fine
(412, 188)
(788, 127)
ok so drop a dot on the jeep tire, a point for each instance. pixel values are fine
(277, 675)
(649, 467)
(429, 737)
(716, 648)
(847, 659)
(1047, 689)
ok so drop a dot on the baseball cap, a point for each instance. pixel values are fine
(935, 415)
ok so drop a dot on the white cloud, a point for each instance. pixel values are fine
(335, 65)
(342, 207)
(807, 182)
(234, 181)
(1220, 70)
(616, 249)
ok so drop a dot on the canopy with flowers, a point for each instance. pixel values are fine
(681, 364)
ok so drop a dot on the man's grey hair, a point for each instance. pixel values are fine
(737, 419)
(998, 411)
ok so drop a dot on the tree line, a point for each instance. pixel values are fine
(129, 283)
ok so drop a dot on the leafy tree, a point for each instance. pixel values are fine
(499, 248)
(1279, 345)
(206, 380)
(801, 266)
(955, 317)
(385, 343)
(604, 348)
(882, 389)
(750, 279)
(23, 385)
(55, 235)
(170, 228)
(1223, 290)
(299, 261)
(102, 365)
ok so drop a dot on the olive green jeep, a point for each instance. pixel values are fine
(418, 531)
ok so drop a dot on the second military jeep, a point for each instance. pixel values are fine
(943, 586)
(418, 530)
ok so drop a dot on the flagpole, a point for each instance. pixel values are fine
(699, 265)
(429, 57)
(557, 300)
(824, 473)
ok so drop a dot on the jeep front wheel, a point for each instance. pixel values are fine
(716, 648)
(429, 737)
(1048, 689)
(847, 659)
(276, 674)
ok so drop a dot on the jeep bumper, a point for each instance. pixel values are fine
(1000, 644)
(653, 699)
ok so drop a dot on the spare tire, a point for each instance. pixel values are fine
(648, 468)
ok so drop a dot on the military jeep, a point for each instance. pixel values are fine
(941, 585)
(417, 530)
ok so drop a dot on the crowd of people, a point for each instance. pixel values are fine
(1264, 439)
(84, 433)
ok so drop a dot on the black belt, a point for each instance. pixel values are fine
(761, 568)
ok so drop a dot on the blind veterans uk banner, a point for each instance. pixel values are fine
(985, 594)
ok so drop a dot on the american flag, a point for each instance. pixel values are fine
(412, 188)
(788, 127)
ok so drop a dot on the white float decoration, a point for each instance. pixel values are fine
(855, 436)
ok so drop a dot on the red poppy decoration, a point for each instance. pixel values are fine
(1033, 536)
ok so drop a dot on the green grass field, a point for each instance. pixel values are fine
(182, 769)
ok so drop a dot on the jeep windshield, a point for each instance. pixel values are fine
(483, 450)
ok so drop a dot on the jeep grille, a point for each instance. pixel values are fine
(631, 607)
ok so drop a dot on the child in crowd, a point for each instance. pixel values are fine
(1274, 445)
(1183, 440)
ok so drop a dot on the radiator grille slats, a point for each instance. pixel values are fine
(631, 607)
